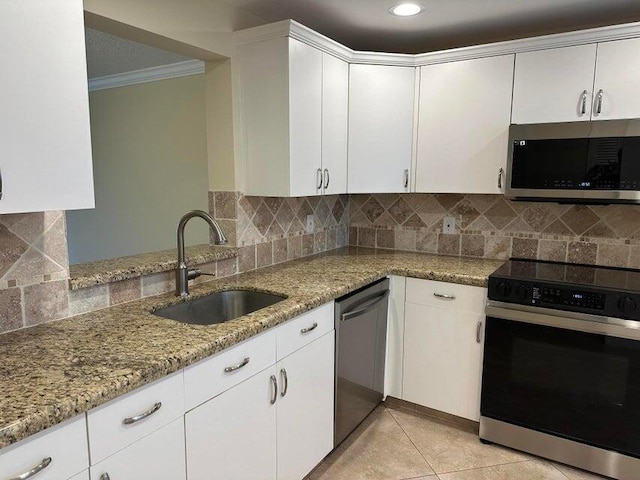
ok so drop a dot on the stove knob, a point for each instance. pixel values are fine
(626, 305)
(523, 292)
(503, 289)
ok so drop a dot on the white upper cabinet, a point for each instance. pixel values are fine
(293, 101)
(617, 83)
(335, 119)
(554, 85)
(381, 110)
(463, 128)
(46, 142)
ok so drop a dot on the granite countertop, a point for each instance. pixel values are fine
(54, 371)
(122, 268)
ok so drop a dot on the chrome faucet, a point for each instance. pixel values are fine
(183, 274)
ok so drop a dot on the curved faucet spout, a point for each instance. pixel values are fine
(183, 274)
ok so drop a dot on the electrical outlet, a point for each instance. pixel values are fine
(310, 223)
(449, 224)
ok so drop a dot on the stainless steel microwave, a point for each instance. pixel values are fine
(582, 162)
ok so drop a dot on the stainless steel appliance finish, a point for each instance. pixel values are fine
(219, 307)
(593, 190)
(361, 337)
(561, 373)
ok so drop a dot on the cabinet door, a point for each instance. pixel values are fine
(618, 77)
(44, 125)
(305, 408)
(305, 117)
(464, 117)
(443, 359)
(549, 85)
(158, 455)
(84, 475)
(381, 106)
(335, 119)
(233, 436)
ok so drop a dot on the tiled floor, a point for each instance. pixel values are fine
(396, 444)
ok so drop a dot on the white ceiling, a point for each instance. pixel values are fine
(367, 25)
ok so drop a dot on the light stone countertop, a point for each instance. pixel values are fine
(122, 268)
(52, 372)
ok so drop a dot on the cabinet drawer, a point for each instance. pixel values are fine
(214, 375)
(446, 295)
(157, 456)
(302, 330)
(65, 444)
(108, 431)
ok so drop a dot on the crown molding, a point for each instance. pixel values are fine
(295, 30)
(163, 72)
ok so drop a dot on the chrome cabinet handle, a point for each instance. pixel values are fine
(371, 302)
(500, 173)
(142, 416)
(274, 384)
(583, 103)
(479, 332)
(105, 476)
(309, 329)
(444, 295)
(37, 469)
(327, 178)
(285, 382)
(406, 178)
(318, 179)
(233, 368)
(599, 96)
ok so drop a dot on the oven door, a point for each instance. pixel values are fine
(573, 377)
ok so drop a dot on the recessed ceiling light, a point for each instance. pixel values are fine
(406, 9)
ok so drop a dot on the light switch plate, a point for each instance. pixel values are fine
(310, 223)
(449, 224)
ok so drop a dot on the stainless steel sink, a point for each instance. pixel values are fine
(219, 307)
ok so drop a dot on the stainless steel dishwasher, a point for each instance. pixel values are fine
(361, 337)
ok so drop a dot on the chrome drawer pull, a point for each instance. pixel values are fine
(38, 468)
(309, 329)
(233, 368)
(444, 295)
(274, 384)
(285, 382)
(479, 332)
(105, 476)
(142, 416)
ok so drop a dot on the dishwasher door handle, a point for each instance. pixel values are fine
(367, 304)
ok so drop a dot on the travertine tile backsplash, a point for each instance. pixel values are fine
(34, 266)
(490, 226)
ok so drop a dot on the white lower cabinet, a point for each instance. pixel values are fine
(158, 456)
(305, 408)
(279, 422)
(232, 436)
(443, 344)
(57, 453)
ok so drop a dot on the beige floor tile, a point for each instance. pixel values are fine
(575, 474)
(530, 470)
(377, 450)
(450, 449)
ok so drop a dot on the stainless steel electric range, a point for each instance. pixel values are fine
(561, 372)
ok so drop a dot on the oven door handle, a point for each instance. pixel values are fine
(581, 322)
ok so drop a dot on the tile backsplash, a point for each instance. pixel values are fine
(490, 226)
(34, 265)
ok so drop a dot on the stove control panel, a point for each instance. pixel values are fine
(598, 301)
